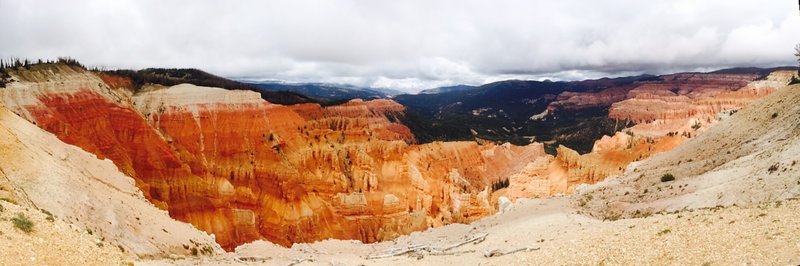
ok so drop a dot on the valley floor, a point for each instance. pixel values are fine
(556, 234)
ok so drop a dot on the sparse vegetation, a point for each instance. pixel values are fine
(612, 217)
(664, 232)
(9, 200)
(585, 199)
(16, 63)
(641, 214)
(667, 177)
(49, 217)
(697, 125)
(175, 76)
(774, 115)
(773, 168)
(22, 223)
(500, 185)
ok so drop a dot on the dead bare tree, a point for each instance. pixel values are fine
(797, 52)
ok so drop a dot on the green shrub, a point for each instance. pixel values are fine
(697, 125)
(667, 178)
(23, 223)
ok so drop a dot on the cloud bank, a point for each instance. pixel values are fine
(407, 45)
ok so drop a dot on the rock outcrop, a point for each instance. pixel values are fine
(666, 113)
(746, 159)
(303, 173)
(244, 169)
(688, 102)
(40, 171)
(552, 175)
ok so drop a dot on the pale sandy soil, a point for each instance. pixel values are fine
(40, 172)
(747, 159)
(751, 157)
(762, 234)
(52, 242)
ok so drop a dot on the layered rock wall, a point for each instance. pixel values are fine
(245, 169)
(665, 113)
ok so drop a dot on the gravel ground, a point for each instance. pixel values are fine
(51, 242)
(767, 234)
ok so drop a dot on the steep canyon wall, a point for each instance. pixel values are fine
(243, 169)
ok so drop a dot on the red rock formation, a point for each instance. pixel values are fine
(81, 110)
(579, 100)
(688, 102)
(667, 113)
(550, 175)
(244, 169)
(303, 173)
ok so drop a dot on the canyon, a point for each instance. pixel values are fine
(243, 169)
(665, 113)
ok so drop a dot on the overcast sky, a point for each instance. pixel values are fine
(408, 45)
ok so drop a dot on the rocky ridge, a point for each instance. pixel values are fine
(666, 113)
(245, 169)
(41, 172)
(748, 158)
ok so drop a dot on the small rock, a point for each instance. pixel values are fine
(503, 204)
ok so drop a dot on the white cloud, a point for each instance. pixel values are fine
(410, 45)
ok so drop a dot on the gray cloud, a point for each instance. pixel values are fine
(409, 45)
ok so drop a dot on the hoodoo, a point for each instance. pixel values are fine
(665, 113)
(243, 169)
(399, 133)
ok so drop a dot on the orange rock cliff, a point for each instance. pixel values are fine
(666, 113)
(244, 169)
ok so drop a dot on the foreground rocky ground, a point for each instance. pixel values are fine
(84, 209)
(551, 232)
(51, 241)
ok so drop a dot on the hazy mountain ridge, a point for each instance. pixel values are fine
(518, 111)
(324, 92)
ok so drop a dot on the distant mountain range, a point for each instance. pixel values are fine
(328, 92)
(518, 111)
(175, 76)
(448, 89)
(502, 111)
